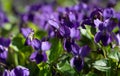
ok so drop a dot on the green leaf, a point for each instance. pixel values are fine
(12, 58)
(33, 68)
(18, 42)
(33, 26)
(101, 65)
(7, 26)
(67, 70)
(44, 69)
(91, 74)
(40, 34)
(115, 54)
(56, 49)
(7, 5)
(88, 31)
(67, 2)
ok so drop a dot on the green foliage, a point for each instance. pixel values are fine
(101, 65)
(56, 49)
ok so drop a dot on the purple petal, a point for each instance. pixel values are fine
(108, 13)
(75, 33)
(45, 46)
(20, 71)
(96, 14)
(38, 57)
(54, 23)
(97, 22)
(36, 44)
(5, 42)
(84, 51)
(26, 32)
(3, 56)
(75, 49)
(64, 31)
(106, 39)
(6, 73)
(67, 45)
(72, 16)
(87, 22)
(77, 63)
(98, 36)
(28, 42)
(102, 27)
(3, 18)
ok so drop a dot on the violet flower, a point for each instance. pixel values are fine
(28, 34)
(18, 71)
(79, 53)
(40, 48)
(4, 44)
(105, 31)
(108, 13)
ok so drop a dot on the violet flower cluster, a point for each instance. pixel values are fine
(64, 24)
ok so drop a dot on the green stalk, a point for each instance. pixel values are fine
(105, 55)
(109, 71)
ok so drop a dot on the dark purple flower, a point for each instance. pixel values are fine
(28, 42)
(38, 56)
(67, 45)
(80, 51)
(40, 48)
(106, 25)
(40, 45)
(18, 71)
(36, 44)
(108, 13)
(64, 31)
(105, 30)
(75, 49)
(4, 44)
(105, 38)
(77, 63)
(84, 51)
(87, 22)
(97, 14)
